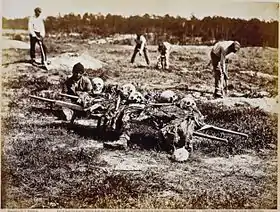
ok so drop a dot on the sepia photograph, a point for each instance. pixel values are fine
(149, 104)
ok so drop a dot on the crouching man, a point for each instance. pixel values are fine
(76, 85)
(164, 49)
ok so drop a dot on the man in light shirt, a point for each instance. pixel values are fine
(164, 49)
(36, 30)
(218, 58)
(140, 48)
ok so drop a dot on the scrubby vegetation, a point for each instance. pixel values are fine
(48, 163)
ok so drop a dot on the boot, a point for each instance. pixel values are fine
(119, 144)
(67, 114)
(217, 94)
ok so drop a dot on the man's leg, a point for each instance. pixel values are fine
(225, 81)
(167, 60)
(146, 56)
(33, 41)
(134, 54)
(218, 82)
(159, 62)
(217, 75)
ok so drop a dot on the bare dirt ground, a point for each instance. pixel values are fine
(48, 163)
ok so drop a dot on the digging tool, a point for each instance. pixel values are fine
(199, 134)
(162, 61)
(43, 54)
(225, 81)
(222, 130)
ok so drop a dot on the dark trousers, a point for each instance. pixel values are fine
(136, 50)
(218, 75)
(43, 49)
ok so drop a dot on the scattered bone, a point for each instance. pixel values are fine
(259, 74)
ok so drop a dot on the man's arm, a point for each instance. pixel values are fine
(88, 85)
(167, 46)
(223, 62)
(30, 27)
(143, 42)
(43, 31)
(69, 87)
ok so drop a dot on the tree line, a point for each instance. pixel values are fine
(253, 32)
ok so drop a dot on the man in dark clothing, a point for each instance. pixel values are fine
(140, 48)
(78, 83)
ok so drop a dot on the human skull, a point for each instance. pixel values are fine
(127, 89)
(168, 96)
(98, 85)
(180, 155)
(187, 103)
(136, 97)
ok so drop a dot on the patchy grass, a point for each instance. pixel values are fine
(47, 163)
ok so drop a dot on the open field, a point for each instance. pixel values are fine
(48, 163)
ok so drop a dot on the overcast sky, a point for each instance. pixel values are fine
(245, 9)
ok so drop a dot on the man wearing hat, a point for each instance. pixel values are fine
(36, 30)
(218, 58)
(78, 83)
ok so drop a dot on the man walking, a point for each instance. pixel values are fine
(218, 58)
(164, 49)
(36, 30)
(140, 48)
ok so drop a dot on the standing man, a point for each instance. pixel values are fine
(140, 47)
(218, 58)
(164, 49)
(36, 30)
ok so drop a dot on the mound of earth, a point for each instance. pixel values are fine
(266, 104)
(13, 44)
(66, 61)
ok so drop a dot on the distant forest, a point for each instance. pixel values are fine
(174, 29)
